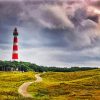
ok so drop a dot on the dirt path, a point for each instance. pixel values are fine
(23, 88)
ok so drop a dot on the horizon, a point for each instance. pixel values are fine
(52, 34)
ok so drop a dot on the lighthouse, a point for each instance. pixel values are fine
(15, 45)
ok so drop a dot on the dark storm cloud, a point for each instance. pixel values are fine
(94, 18)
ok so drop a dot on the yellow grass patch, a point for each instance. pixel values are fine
(10, 82)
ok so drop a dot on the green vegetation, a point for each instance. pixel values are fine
(10, 82)
(26, 66)
(82, 85)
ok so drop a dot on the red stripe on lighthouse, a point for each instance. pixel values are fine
(15, 56)
(15, 39)
(15, 47)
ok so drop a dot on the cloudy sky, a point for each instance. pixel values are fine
(52, 32)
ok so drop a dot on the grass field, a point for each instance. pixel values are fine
(10, 82)
(82, 85)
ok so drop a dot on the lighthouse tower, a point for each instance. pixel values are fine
(15, 45)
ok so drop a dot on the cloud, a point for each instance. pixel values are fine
(46, 16)
(51, 33)
(54, 17)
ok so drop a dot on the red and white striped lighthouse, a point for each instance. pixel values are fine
(15, 45)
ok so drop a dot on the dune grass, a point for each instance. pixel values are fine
(82, 85)
(10, 82)
(68, 76)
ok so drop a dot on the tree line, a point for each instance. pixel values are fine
(26, 66)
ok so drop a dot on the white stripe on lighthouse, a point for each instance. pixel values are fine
(15, 43)
(15, 51)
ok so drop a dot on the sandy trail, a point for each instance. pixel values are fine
(23, 88)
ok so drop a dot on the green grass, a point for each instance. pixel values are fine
(10, 82)
(82, 85)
